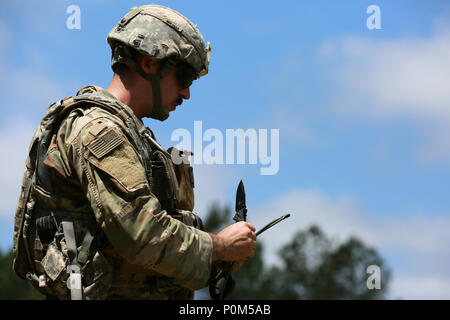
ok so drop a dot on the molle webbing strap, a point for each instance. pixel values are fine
(69, 236)
(83, 253)
(73, 103)
(88, 220)
(130, 15)
(73, 269)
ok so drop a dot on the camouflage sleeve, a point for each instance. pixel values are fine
(114, 181)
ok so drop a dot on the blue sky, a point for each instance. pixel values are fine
(363, 114)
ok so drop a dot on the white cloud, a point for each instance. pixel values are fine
(290, 121)
(423, 240)
(5, 35)
(420, 287)
(438, 150)
(213, 183)
(395, 79)
(15, 138)
(39, 15)
(407, 77)
(25, 94)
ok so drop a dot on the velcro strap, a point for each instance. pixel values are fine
(69, 235)
(83, 252)
(129, 16)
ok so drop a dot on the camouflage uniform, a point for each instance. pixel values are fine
(135, 234)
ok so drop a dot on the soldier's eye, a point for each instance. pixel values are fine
(185, 74)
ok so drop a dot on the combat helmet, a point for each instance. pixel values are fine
(163, 34)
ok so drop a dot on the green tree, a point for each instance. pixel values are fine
(11, 286)
(218, 217)
(312, 266)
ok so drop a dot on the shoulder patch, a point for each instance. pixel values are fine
(105, 143)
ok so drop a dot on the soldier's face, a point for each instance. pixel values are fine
(173, 87)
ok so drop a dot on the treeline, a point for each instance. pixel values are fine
(310, 266)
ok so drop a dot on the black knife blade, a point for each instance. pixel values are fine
(241, 207)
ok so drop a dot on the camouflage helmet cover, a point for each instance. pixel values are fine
(160, 32)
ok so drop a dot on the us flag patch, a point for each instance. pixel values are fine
(105, 144)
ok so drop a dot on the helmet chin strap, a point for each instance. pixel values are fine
(121, 54)
(158, 111)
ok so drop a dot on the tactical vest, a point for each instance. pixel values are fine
(54, 232)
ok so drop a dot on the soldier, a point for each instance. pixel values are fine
(105, 212)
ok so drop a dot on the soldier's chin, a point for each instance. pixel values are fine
(160, 114)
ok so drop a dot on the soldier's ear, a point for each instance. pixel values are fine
(149, 65)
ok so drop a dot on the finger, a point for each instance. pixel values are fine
(253, 247)
(251, 235)
(251, 227)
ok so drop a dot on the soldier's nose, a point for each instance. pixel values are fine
(185, 93)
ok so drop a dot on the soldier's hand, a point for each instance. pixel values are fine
(236, 242)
